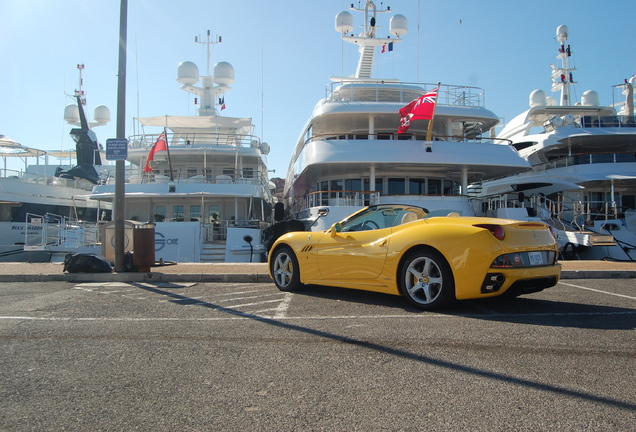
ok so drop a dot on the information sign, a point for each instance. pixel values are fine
(116, 149)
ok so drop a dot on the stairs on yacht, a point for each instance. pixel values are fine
(213, 252)
(365, 65)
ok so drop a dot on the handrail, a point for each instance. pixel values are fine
(44, 179)
(51, 230)
(564, 211)
(199, 140)
(406, 136)
(378, 90)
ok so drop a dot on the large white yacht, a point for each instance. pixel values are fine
(201, 179)
(52, 186)
(349, 153)
(583, 157)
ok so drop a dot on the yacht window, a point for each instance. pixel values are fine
(160, 213)
(336, 186)
(323, 187)
(248, 173)
(229, 172)
(450, 188)
(434, 187)
(208, 174)
(178, 213)
(396, 186)
(192, 172)
(195, 213)
(353, 185)
(417, 186)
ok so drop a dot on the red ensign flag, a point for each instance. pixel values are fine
(159, 145)
(421, 108)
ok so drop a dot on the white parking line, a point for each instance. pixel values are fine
(281, 310)
(598, 291)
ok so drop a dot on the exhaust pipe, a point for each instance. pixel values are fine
(492, 283)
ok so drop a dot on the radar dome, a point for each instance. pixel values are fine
(344, 22)
(551, 101)
(188, 73)
(101, 114)
(71, 113)
(398, 25)
(265, 148)
(562, 33)
(537, 98)
(223, 73)
(590, 98)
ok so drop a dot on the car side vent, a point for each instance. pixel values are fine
(307, 248)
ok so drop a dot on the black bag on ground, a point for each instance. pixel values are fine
(86, 263)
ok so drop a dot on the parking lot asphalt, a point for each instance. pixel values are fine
(248, 272)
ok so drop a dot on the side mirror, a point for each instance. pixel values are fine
(336, 228)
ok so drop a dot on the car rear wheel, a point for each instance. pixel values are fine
(426, 280)
(285, 269)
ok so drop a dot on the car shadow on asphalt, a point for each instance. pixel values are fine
(518, 310)
(387, 349)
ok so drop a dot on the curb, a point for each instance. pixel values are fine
(598, 274)
(139, 277)
(238, 277)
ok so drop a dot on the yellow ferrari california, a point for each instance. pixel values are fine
(396, 249)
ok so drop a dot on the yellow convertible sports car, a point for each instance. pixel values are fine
(433, 261)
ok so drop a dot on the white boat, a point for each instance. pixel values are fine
(45, 191)
(583, 157)
(349, 155)
(204, 183)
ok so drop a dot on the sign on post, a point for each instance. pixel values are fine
(116, 149)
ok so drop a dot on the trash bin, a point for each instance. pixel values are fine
(108, 238)
(144, 247)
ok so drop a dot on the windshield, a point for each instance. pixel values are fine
(380, 217)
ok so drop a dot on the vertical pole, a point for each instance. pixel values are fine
(121, 133)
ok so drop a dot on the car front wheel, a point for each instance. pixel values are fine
(426, 280)
(285, 269)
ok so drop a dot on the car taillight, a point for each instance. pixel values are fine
(496, 230)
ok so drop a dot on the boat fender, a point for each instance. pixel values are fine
(569, 251)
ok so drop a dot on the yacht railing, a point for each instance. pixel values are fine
(617, 121)
(404, 92)
(406, 136)
(336, 199)
(211, 176)
(43, 179)
(218, 231)
(55, 232)
(198, 139)
(588, 159)
(563, 212)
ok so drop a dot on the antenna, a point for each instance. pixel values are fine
(79, 92)
(208, 43)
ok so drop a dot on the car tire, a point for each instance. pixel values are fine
(285, 269)
(426, 280)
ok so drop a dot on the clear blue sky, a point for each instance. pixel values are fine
(284, 52)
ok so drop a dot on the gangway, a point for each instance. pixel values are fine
(568, 220)
(60, 234)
